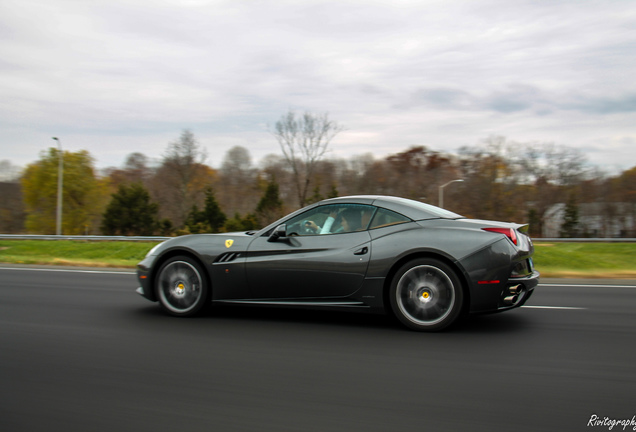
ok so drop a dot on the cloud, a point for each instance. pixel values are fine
(135, 73)
(606, 105)
(517, 98)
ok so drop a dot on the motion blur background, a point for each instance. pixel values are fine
(529, 103)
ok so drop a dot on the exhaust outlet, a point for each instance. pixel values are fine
(515, 289)
(510, 300)
(511, 295)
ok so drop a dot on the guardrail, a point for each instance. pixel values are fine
(585, 240)
(81, 237)
(159, 239)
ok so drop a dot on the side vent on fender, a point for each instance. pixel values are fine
(227, 257)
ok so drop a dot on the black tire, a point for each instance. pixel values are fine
(182, 287)
(426, 295)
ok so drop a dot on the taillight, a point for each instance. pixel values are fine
(508, 232)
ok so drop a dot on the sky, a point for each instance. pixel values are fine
(120, 76)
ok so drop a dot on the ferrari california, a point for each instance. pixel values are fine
(425, 265)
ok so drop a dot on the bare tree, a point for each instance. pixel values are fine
(183, 155)
(181, 180)
(136, 167)
(568, 164)
(490, 173)
(237, 191)
(559, 165)
(304, 140)
(8, 171)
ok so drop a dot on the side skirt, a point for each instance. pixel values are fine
(296, 303)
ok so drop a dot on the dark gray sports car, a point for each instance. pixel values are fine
(424, 264)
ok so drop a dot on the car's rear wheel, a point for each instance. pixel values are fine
(426, 295)
(182, 287)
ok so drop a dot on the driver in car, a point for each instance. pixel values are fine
(349, 221)
(312, 226)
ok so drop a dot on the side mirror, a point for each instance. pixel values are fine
(279, 232)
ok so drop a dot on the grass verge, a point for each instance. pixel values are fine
(586, 260)
(123, 254)
(574, 260)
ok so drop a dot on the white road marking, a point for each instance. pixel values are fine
(132, 272)
(578, 285)
(69, 270)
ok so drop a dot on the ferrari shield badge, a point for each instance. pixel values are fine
(229, 243)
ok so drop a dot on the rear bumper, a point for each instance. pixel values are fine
(517, 291)
(504, 295)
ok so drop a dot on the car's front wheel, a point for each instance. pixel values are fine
(182, 286)
(426, 295)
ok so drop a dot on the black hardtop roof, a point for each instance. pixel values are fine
(412, 209)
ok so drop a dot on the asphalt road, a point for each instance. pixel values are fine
(83, 352)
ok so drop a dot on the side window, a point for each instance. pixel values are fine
(384, 217)
(331, 219)
(311, 222)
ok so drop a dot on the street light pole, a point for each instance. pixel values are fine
(441, 191)
(60, 181)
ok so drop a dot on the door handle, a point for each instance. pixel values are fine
(362, 251)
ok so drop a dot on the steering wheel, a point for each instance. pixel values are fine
(306, 227)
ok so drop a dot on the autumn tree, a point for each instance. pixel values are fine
(614, 199)
(130, 212)
(304, 139)
(417, 172)
(550, 173)
(625, 184)
(135, 170)
(83, 195)
(491, 172)
(329, 174)
(353, 175)
(12, 214)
